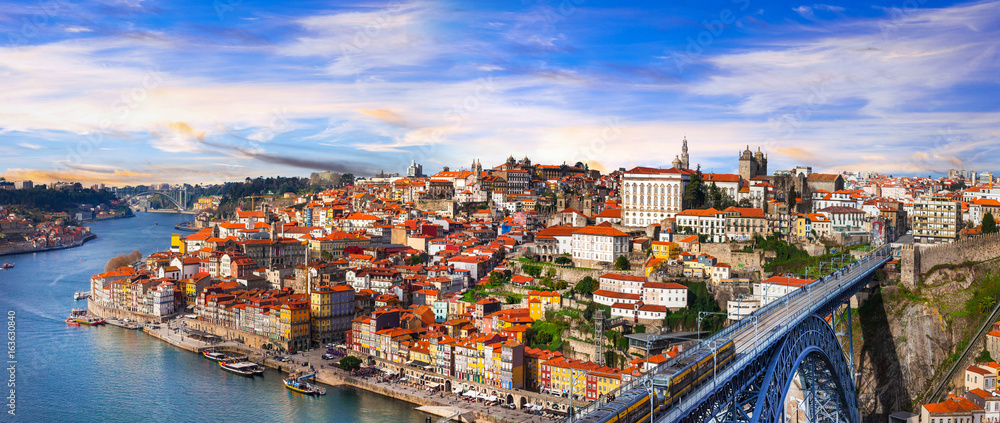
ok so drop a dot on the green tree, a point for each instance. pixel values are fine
(512, 300)
(350, 363)
(989, 224)
(586, 286)
(694, 192)
(563, 260)
(347, 179)
(640, 329)
(326, 255)
(532, 270)
(415, 260)
(621, 263)
(544, 338)
(984, 357)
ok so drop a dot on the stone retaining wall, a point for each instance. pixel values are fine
(113, 313)
(252, 340)
(916, 261)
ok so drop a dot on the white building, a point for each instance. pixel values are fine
(163, 299)
(673, 296)
(594, 244)
(626, 284)
(775, 287)
(710, 222)
(650, 195)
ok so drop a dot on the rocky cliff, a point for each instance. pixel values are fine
(908, 339)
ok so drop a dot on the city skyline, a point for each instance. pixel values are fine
(145, 92)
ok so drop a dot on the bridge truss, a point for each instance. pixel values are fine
(790, 345)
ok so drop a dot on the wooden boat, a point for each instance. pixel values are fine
(298, 384)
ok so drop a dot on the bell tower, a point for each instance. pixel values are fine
(685, 160)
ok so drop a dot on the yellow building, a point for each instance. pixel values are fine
(320, 313)
(294, 324)
(177, 244)
(653, 264)
(545, 297)
(420, 353)
(800, 226)
(665, 250)
(566, 375)
(535, 309)
(605, 380)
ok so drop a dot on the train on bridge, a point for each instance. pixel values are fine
(679, 376)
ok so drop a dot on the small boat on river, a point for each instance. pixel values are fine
(298, 384)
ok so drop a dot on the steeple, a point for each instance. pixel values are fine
(685, 161)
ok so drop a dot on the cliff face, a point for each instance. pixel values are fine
(908, 339)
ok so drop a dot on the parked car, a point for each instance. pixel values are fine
(328, 356)
(282, 359)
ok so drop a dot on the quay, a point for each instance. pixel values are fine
(442, 404)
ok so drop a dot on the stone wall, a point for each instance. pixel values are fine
(730, 254)
(113, 313)
(447, 206)
(252, 340)
(915, 261)
(579, 350)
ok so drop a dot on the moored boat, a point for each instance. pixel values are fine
(299, 385)
(83, 318)
(7, 266)
(72, 322)
(242, 368)
(214, 356)
(81, 295)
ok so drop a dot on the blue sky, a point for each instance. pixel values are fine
(140, 91)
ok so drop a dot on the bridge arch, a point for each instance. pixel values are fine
(810, 351)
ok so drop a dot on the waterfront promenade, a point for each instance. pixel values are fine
(58, 247)
(445, 404)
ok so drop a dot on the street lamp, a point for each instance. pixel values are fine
(701, 314)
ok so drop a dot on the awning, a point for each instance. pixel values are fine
(456, 390)
(433, 384)
(470, 394)
(491, 398)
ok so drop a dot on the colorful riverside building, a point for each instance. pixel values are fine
(533, 359)
(331, 310)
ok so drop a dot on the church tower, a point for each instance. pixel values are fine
(685, 161)
(761, 160)
(748, 166)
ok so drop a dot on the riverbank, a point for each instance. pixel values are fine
(437, 403)
(61, 247)
(170, 211)
(186, 227)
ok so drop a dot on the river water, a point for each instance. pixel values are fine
(109, 374)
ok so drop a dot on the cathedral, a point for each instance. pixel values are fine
(752, 164)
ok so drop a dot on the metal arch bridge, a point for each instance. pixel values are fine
(178, 197)
(790, 340)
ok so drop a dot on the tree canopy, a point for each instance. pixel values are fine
(621, 263)
(989, 223)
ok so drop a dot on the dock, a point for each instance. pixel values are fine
(123, 324)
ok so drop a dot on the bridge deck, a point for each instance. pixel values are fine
(766, 326)
(774, 320)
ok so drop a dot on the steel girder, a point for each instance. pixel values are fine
(757, 393)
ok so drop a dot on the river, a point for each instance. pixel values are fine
(108, 374)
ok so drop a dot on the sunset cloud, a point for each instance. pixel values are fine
(368, 87)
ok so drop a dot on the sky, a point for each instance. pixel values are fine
(153, 91)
